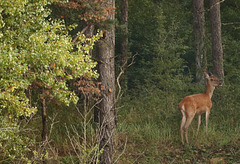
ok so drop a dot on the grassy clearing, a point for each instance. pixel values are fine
(151, 134)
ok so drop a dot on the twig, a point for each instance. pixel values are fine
(231, 23)
(124, 149)
(52, 124)
(215, 5)
(123, 68)
(211, 6)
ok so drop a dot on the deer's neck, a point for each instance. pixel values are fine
(209, 90)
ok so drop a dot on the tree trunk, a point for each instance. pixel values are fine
(44, 126)
(107, 114)
(217, 51)
(44, 121)
(199, 39)
(124, 39)
(89, 34)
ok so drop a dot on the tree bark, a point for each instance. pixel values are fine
(199, 39)
(217, 51)
(107, 113)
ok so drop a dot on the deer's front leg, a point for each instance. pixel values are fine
(207, 117)
(199, 123)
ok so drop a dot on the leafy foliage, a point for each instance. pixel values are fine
(36, 52)
(14, 146)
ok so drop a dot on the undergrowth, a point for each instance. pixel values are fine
(148, 131)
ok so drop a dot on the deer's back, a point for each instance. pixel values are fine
(198, 103)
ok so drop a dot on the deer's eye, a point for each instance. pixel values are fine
(212, 79)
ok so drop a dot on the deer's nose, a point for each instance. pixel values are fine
(221, 82)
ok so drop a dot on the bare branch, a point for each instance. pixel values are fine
(84, 29)
(231, 23)
(124, 149)
(218, 3)
(123, 68)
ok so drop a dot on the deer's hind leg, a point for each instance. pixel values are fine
(188, 122)
(182, 124)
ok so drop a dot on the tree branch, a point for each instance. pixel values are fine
(83, 30)
(123, 68)
(215, 5)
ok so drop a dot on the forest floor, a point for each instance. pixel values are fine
(147, 136)
(150, 153)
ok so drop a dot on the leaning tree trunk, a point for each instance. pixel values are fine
(107, 114)
(217, 51)
(199, 39)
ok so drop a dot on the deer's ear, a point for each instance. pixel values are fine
(206, 75)
(210, 74)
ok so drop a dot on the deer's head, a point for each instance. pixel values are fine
(213, 80)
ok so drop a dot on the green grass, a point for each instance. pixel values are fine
(148, 132)
(153, 136)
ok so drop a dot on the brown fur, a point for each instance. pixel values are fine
(197, 104)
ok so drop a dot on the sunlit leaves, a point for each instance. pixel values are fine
(37, 50)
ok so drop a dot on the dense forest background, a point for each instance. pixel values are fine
(52, 65)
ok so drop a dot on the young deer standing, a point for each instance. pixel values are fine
(197, 104)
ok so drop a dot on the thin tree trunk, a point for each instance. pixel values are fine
(89, 34)
(199, 39)
(107, 113)
(44, 125)
(124, 39)
(217, 51)
(44, 121)
(124, 53)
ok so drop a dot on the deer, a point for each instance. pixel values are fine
(197, 104)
